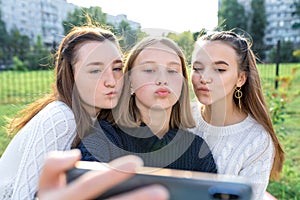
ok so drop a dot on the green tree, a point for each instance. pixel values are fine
(18, 64)
(82, 16)
(296, 25)
(4, 38)
(257, 26)
(232, 15)
(286, 53)
(186, 42)
(128, 37)
(296, 53)
(38, 56)
(198, 34)
(19, 44)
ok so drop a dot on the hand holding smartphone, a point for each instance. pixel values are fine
(180, 183)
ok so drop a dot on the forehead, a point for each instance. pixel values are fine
(214, 50)
(159, 53)
(104, 51)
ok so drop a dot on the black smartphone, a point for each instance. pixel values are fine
(180, 183)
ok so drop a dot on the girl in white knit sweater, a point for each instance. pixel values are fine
(89, 77)
(233, 117)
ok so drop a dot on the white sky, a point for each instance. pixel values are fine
(178, 16)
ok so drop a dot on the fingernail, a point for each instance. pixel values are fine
(128, 163)
(70, 154)
(159, 192)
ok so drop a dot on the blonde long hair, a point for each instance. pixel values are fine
(128, 115)
(252, 101)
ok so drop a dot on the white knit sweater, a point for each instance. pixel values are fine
(243, 149)
(53, 128)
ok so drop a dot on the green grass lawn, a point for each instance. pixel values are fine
(20, 88)
(289, 185)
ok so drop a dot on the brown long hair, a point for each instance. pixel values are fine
(63, 89)
(127, 111)
(252, 101)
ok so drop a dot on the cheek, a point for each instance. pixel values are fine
(143, 94)
(119, 76)
(176, 85)
(195, 78)
(229, 80)
(120, 83)
(140, 84)
(82, 84)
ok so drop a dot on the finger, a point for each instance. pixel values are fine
(55, 165)
(154, 192)
(94, 183)
(115, 164)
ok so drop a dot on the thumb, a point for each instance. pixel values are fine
(55, 164)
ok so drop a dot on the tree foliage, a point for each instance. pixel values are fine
(94, 15)
(82, 16)
(185, 41)
(286, 53)
(17, 52)
(257, 26)
(38, 57)
(127, 36)
(296, 25)
(4, 39)
(19, 44)
(232, 15)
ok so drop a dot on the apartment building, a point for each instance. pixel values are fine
(36, 17)
(44, 17)
(280, 18)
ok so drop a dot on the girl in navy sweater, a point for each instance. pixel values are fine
(153, 114)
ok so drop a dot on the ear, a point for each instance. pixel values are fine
(242, 79)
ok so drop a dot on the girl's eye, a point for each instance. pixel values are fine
(95, 71)
(117, 69)
(148, 70)
(197, 69)
(172, 71)
(220, 70)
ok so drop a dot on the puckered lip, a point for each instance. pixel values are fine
(203, 88)
(162, 90)
(110, 93)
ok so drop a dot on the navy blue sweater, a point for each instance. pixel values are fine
(177, 149)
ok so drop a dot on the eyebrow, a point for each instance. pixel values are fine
(101, 63)
(197, 62)
(152, 62)
(94, 63)
(216, 63)
(117, 61)
(221, 62)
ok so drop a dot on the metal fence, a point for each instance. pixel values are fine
(19, 87)
(25, 86)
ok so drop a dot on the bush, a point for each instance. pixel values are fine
(19, 64)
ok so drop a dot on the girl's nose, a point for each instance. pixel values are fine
(109, 78)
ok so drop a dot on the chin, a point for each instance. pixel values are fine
(205, 102)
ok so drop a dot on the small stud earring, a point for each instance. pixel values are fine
(131, 90)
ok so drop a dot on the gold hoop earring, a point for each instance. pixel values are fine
(238, 94)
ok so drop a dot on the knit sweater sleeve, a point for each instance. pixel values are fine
(258, 165)
(53, 128)
(243, 149)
